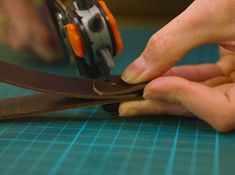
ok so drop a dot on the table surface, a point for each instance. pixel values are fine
(91, 141)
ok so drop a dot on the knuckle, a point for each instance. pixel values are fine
(153, 41)
(157, 44)
(185, 89)
(150, 50)
(161, 44)
(158, 41)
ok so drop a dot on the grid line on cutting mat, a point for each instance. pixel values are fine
(61, 159)
(107, 153)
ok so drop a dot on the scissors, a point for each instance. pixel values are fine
(89, 35)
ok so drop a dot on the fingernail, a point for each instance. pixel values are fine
(166, 97)
(134, 71)
(149, 92)
(149, 95)
(123, 111)
(153, 95)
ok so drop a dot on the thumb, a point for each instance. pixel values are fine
(197, 25)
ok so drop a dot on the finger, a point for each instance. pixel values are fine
(150, 107)
(190, 29)
(198, 73)
(217, 81)
(211, 105)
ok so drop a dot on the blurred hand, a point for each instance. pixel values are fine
(26, 29)
(206, 91)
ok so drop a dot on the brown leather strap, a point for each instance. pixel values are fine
(43, 103)
(61, 92)
(66, 86)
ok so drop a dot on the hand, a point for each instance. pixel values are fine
(206, 91)
(26, 29)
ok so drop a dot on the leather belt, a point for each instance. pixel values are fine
(59, 92)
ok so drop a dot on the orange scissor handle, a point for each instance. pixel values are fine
(113, 24)
(75, 40)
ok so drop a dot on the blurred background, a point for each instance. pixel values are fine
(136, 19)
(147, 12)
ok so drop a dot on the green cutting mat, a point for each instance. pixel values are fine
(91, 141)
